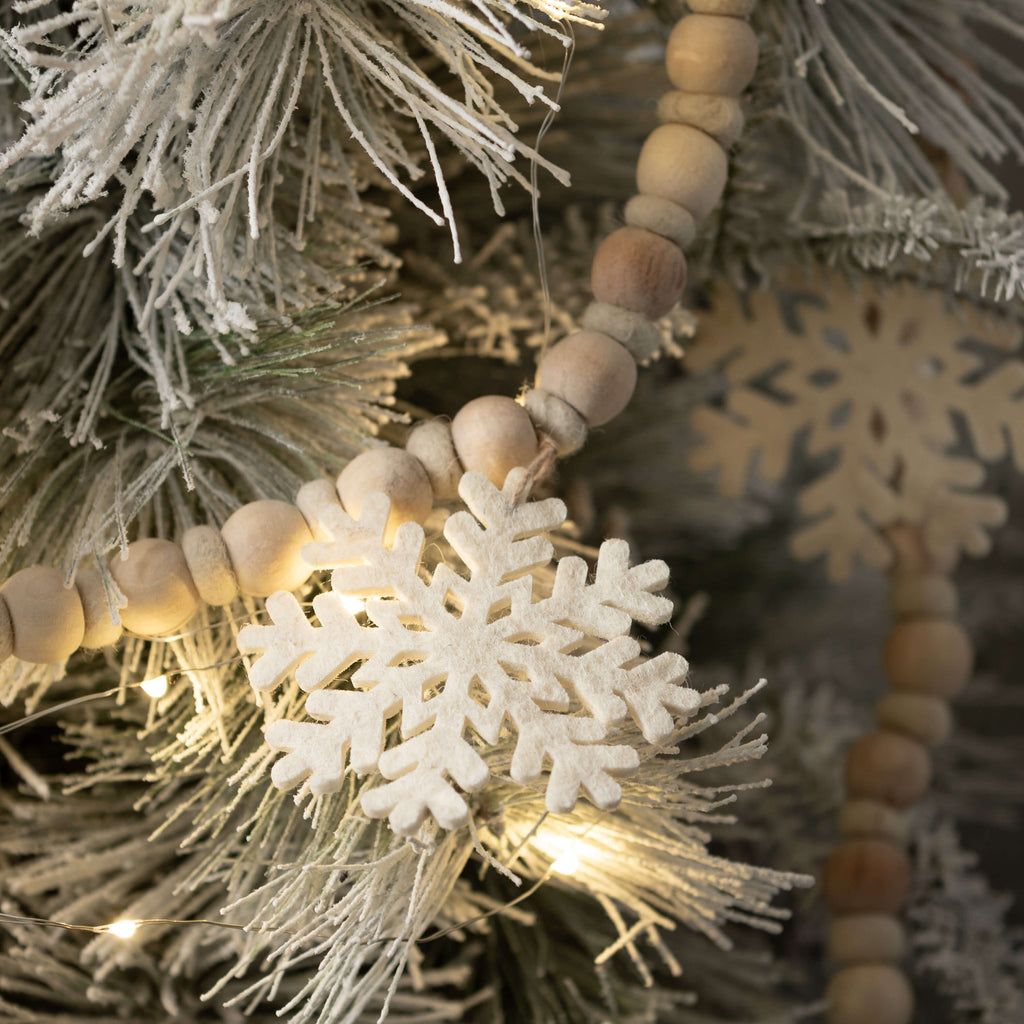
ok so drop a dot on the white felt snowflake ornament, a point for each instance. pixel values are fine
(457, 660)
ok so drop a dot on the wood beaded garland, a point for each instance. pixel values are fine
(662, 217)
(684, 165)
(390, 471)
(638, 270)
(432, 444)
(889, 767)
(926, 719)
(721, 117)
(711, 54)
(866, 938)
(102, 628)
(726, 8)
(869, 994)
(157, 585)
(265, 541)
(932, 656)
(865, 817)
(207, 558)
(866, 876)
(47, 621)
(313, 495)
(494, 435)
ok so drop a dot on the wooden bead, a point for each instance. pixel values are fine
(867, 939)
(652, 213)
(556, 419)
(870, 994)
(873, 818)
(6, 632)
(865, 876)
(265, 541)
(209, 564)
(638, 270)
(683, 165)
(889, 767)
(633, 331)
(494, 435)
(431, 443)
(932, 656)
(592, 372)
(721, 117)
(313, 498)
(930, 596)
(46, 617)
(710, 54)
(926, 719)
(726, 8)
(390, 471)
(157, 585)
(912, 556)
(102, 626)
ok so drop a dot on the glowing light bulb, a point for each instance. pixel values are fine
(353, 604)
(155, 687)
(122, 929)
(567, 864)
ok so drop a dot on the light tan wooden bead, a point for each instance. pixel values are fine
(313, 497)
(929, 596)
(932, 656)
(865, 876)
(927, 719)
(101, 628)
(889, 767)
(265, 541)
(683, 165)
(652, 213)
(869, 994)
(867, 939)
(556, 419)
(494, 435)
(592, 372)
(155, 580)
(710, 54)
(873, 818)
(913, 557)
(721, 117)
(725, 8)
(632, 331)
(209, 563)
(390, 471)
(46, 617)
(638, 270)
(431, 443)
(6, 632)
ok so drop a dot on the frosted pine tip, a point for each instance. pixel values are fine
(155, 687)
(122, 929)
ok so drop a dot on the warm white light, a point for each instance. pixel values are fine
(122, 929)
(567, 864)
(155, 687)
(352, 604)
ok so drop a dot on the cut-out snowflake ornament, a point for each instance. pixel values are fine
(903, 391)
(463, 661)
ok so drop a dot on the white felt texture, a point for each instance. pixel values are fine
(456, 659)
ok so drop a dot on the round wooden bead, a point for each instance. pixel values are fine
(710, 54)
(556, 419)
(6, 632)
(922, 596)
(494, 435)
(313, 499)
(873, 818)
(633, 331)
(888, 767)
(869, 994)
(102, 626)
(720, 116)
(652, 213)
(638, 270)
(265, 541)
(46, 617)
(865, 876)
(431, 443)
(932, 656)
(157, 585)
(209, 564)
(592, 372)
(390, 471)
(866, 939)
(926, 719)
(726, 8)
(683, 165)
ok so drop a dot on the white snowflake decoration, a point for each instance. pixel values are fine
(889, 386)
(462, 659)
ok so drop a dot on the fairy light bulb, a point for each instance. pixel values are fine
(353, 604)
(122, 929)
(567, 864)
(155, 687)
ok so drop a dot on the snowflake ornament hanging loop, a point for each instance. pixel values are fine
(462, 662)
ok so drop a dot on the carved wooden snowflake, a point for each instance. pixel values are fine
(902, 392)
(459, 659)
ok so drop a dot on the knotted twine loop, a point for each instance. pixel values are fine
(542, 464)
